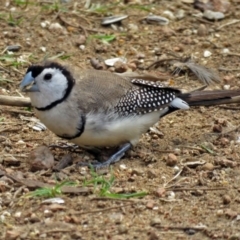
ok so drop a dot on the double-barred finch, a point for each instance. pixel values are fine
(101, 109)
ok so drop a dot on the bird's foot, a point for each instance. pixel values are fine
(113, 159)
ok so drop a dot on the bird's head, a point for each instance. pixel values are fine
(47, 84)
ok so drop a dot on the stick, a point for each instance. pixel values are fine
(15, 101)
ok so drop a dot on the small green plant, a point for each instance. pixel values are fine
(48, 192)
(102, 9)
(21, 3)
(55, 6)
(105, 187)
(14, 21)
(104, 38)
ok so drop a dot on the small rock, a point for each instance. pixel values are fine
(150, 204)
(171, 160)
(226, 87)
(226, 199)
(155, 221)
(18, 214)
(224, 141)
(43, 49)
(41, 158)
(217, 128)
(55, 26)
(171, 195)
(202, 30)
(180, 14)
(220, 212)
(161, 192)
(123, 167)
(48, 213)
(122, 229)
(211, 15)
(133, 27)
(120, 67)
(208, 167)
(81, 40)
(207, 54)
(117, 218)
(169, 14)
(231, 214)
(151, 174)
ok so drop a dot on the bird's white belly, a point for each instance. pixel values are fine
(116, 131)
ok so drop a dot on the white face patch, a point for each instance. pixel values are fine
(52, 85)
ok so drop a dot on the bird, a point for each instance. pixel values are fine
(96, 109)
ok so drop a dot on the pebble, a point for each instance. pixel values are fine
(226, 199)
(176, 169)
(41, 158)
(48, 213)
(122, 229)
(225, 51)
(82, 47)
(55, 26)
(220, 212)
(169, 14)
(207, 54)
(43, 49)
(202, 30)
(171, 195)
(45, 24)
(123, 167)
(180, 14)
(155, 221)
(211, 15)
(171, 160)
(217, 128)
(226, 87)
(150, 204)
(18, 214)
(208, 167)
(120, 67)
(133, 27)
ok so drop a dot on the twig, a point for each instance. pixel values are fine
(233, 54)
(194, 189)
(15, 101)
(160, 61)
(228, 24)
(197, 228)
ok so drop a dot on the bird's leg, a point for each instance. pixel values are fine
(113, 159)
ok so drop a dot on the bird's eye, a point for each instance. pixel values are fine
(48, 76)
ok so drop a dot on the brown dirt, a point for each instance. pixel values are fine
(201, 203)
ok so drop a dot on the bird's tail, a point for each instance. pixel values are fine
(211, 97)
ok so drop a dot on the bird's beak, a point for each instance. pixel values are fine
(28, 84)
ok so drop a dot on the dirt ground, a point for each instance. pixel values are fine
(188, 165)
